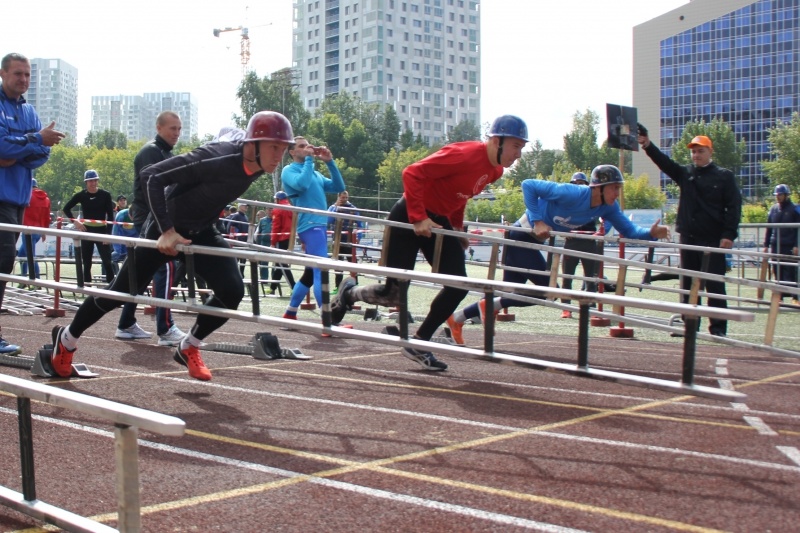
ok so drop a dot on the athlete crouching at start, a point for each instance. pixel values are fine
(186, 194)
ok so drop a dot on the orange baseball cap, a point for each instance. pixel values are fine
(700, 140)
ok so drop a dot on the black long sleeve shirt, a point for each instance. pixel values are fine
(151, 153)
(97, 206)
(201, 183)
(710, 205)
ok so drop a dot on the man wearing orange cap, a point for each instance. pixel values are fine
(709, 212)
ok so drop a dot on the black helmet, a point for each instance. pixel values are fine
(579, 176)
(605, 174)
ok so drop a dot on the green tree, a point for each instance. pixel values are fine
(116, 170)
(537, 162)
(391, 169)
(108, 139)
(580, 144)
(508, 203)
(62, 175)
(466, 130)
(784, 168)
(639, 194)
(728, 153)
(754, 214)
(275, 93)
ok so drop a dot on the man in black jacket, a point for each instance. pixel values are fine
(198, 185)
(783, 241)
(709, 212)
(168, 131)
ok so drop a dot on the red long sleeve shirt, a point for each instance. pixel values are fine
(444, 181)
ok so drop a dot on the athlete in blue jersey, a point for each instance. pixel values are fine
(562, 207)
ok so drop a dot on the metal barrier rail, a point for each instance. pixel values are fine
(126, 419)
(488, 287)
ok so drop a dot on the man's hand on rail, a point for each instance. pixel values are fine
(659, 232)
(541, 230)
(168, 240)
(423, 227)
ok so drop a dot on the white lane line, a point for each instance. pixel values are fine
(722, 367)
(760, 425)
(791, 452)
(740, 407)
(635, 399)
(360, 489)
(725, 384)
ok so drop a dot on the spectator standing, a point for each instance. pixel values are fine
(436, 191)
(783, 241)
(343, 205)
(122, 203)
(123, 227)
(239, 227)
(570, 264)
(198, 184)
(168, 131)
(308, 188)
(709, 212)
(97, 210)
(281, 235)
(36, 214)
(24, 147)
(263, 237)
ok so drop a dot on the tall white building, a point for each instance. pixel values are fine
(53, 92)
(420, 56)
(135, 116)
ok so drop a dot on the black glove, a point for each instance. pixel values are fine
(642, 129)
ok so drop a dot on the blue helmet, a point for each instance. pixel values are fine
(91, 175)
(781, 189)
(578, 177)
(605, 174)
(280, 195)
(509, 126)
(34, 183)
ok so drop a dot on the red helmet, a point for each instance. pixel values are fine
(269, 126)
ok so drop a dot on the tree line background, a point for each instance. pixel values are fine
(372, 151)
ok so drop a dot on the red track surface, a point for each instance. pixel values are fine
(361, 438)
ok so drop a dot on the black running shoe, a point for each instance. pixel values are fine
(342, 303)
(425, 359)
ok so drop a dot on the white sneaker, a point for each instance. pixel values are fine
(133, 332)
(172, 337)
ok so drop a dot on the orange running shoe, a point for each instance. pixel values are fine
(482, 307)
(190, 357)
(456, 330)
(61, 360)
(566, 314)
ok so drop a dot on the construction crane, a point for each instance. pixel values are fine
(245, 52)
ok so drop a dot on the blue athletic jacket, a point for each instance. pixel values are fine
(19, 140)
(306, 188)
(565, 207)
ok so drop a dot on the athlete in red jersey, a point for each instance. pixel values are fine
(436, 191)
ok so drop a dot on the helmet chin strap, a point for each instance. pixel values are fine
(500, 150)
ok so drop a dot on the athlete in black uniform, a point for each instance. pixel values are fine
(200, 184)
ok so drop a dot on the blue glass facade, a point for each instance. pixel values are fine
(741, 67)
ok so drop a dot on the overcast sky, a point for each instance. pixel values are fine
(540, 60)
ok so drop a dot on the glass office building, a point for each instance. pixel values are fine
(740, 66)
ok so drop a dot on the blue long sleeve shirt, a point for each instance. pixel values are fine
(565, 207)
(19, 140)
(307, 188)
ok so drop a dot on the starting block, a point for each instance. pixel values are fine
(43, 368)
(445, 337)
(395, 315)
(391, 330)
(265, 347)
(17, 361)
(372, 314)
